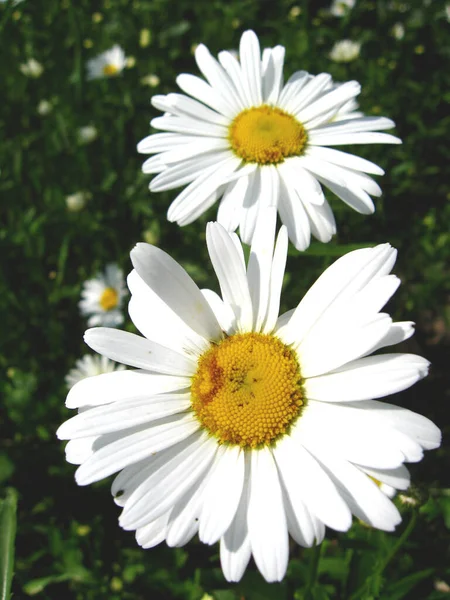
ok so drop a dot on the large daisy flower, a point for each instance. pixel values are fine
(244, 426)
(102, 297)
(243, 137)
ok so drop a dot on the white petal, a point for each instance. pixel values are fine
(173, 285)
(250, 57)
(276, 280)
(344, 159)
(167, 484)
(222, 495)
(203, 187)
(260, 263)
(299, 521)
(321, 220)
(304, 478)
(235, 550)
(356, 125)
(397, 478)
(119, 385)
(218, 78)
(233, 68)
(338, 284)
(293, 216)
(313, 88)
(136, 351)
(154, 533)
(366, 501)
(272, 78)
(121, 415)
(230, 273)
(266, 517)
(224, 313)
(189, 126)
(187, 170)
(369, 377)
(317, 138)
(183, 106)
(293, 86)
(305, 184)
(230, 207)
(328, 101)
(135, 447)
(162, 142)
(199, 89)
(78, 451)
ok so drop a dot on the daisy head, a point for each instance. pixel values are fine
(339, 8)
(242, 425)
(102, 297)
(345, 51)
(90, 365)
(247, 139)
(107, 64)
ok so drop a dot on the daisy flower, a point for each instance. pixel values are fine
(90, 365)
(101, 298)
(245, 138)
(340, 8)
(345, 51)
(244, 426)
(107, 64)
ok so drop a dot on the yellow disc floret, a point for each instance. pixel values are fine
(110, 70)
(247, 390)
(266, 135)
(109, 299)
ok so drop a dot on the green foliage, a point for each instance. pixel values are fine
(68, 542)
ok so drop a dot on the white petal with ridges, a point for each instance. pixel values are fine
(266, 518)
(136, 351)
(250, 57)
(367, 378)
(222, 495)
(276, 280)
(344, 159)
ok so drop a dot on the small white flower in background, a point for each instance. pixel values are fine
(102, 297)
(87, 134)
(76, 202)
(345, 51)
(447, 12)
(339, 8)
(32, 68)
(44, 108)
(151, 80)
(108, 64)
(242, 425)
(398, 31)
(90, 365)
(246, 140)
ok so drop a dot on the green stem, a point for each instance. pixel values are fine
(8, 508)
(358, 595)
(313, 571)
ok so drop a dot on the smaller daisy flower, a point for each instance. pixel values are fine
(398, 31)
(345, 51)
(89, 366)
(151, 80)
(44, 108)
(242, 425)
(102, 297)
(108, 64)
(339, 8)
(244, 138)
(76, 202)
(87, 134)
(32, 68)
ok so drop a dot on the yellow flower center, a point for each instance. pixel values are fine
(266, 135)
(109, 299)
(247, 390)
(110, 70)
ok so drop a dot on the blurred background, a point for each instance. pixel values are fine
(73, 199)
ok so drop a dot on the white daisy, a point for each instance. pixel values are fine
(107, 64)
(345, 51)
(32, 68)
(340, 8)
(247, 139)
(101, 298)
(242, 425)
(90, 365)
(87, 134)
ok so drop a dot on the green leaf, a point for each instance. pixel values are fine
(400, 588)
(8, 508)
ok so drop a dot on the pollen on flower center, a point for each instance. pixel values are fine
(266, 135)
(109, 299)
(247, 390)
(110, 70)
